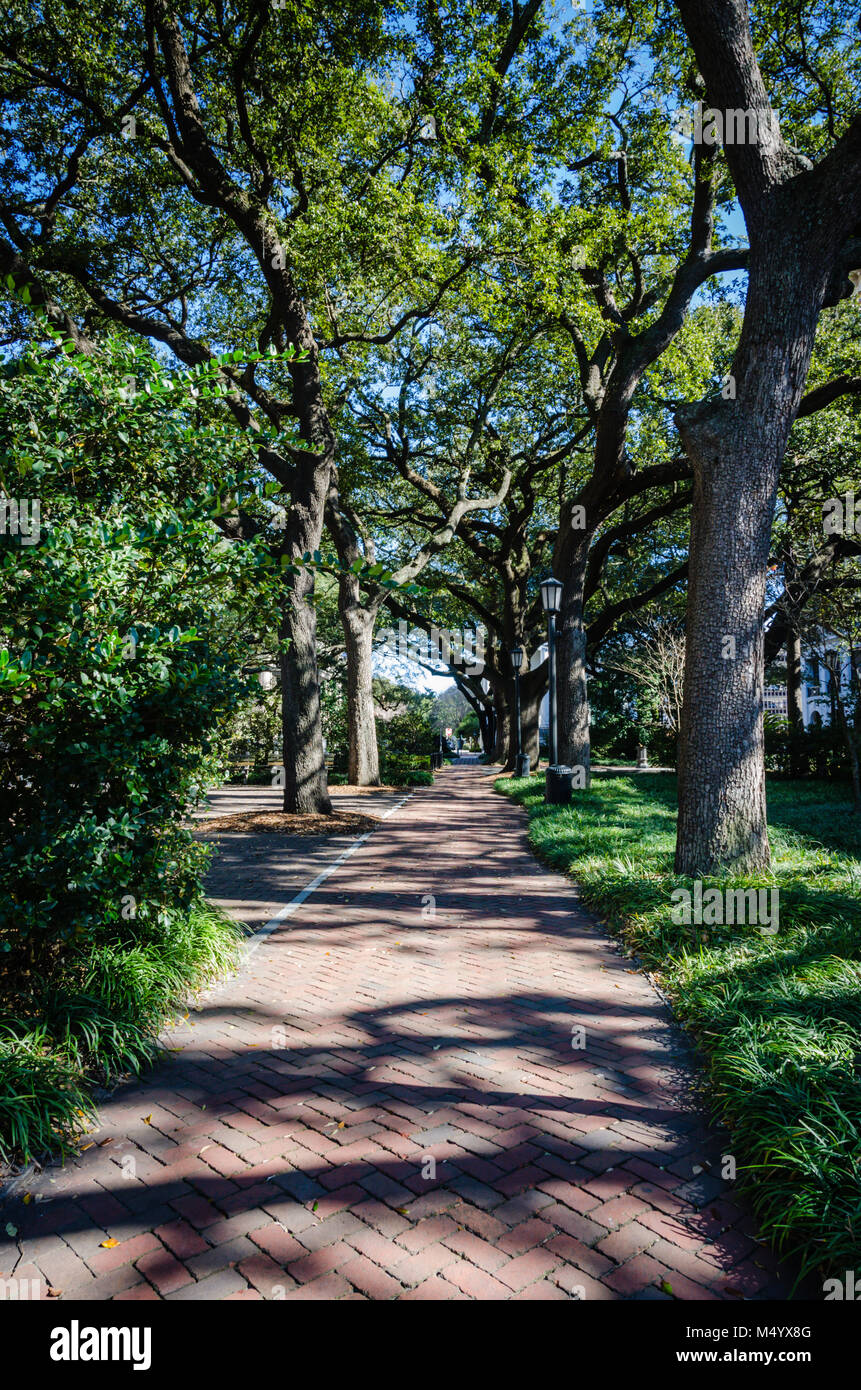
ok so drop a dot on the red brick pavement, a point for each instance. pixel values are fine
(386, 1104)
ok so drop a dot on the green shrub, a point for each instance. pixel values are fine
(400, 769)
(121, 634)
(817, 751)
(410, 777)
(104, 752)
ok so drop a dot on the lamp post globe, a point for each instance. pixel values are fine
(551, 595)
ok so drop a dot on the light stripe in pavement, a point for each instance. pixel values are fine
(289, 908)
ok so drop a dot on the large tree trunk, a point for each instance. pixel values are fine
(305, 787)
(509, 751)
(363, 762)
(721, 765)
(736, 448)
(531, 696)
(503, 721)
(794, 699)
(572, 686)
(483, 712)
(533, 687)
(799, 222)
(357, 621)
(485, 729)
(794, 693)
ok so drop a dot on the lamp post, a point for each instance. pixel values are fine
(521, 765)
(557, 789)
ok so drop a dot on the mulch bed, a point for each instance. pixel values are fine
(343, 789)
(282, 823)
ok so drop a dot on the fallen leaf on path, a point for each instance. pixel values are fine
(109, 1243)
(147, 1119)
(54, 1293)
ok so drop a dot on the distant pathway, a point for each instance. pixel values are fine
(387, 1103)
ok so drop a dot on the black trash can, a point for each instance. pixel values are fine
(558, 785)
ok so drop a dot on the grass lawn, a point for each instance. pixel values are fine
(776, 1018)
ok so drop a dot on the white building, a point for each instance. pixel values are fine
(539, 655)
(815, 686)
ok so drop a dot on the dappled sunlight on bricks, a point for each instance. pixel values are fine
(385, 1106)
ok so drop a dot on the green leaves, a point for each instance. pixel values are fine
(120, 638)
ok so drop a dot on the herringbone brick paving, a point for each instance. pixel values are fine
(391, 1102)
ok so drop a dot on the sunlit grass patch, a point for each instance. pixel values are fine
(776, 1018)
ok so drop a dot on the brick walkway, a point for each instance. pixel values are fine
(386, 1104)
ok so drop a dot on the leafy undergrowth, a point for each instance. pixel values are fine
(98, 1018)
(777, 1018)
